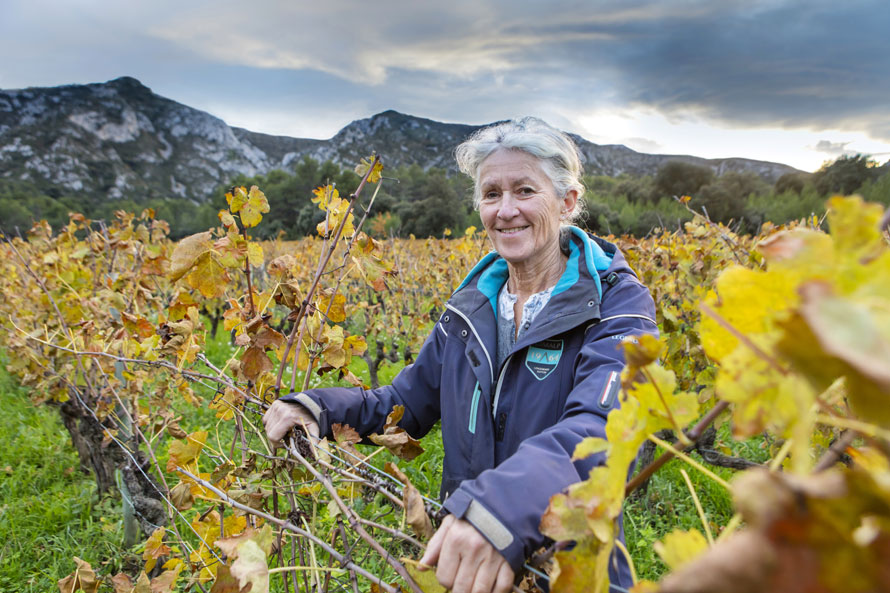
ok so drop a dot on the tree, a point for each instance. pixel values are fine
(791, 182)
(845, 175)
(725, 197)
(678, 178)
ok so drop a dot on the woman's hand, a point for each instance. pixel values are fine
(465, 562)
(281, 417)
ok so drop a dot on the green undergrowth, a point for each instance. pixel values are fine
(49, 509)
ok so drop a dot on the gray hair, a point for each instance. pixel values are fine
(560, 159)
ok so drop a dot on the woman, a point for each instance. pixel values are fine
(521, 366)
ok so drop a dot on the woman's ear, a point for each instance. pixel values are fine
(569, 202)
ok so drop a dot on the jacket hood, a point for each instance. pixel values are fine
(589, 256)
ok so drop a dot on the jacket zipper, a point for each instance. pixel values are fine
(497, 390)
(474, 408)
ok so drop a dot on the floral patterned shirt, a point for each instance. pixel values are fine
(507, 334)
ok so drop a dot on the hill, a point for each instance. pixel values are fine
(118, 138)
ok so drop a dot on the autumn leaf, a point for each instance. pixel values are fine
(226, 219)
(365, 164)
(250, 550)
(208, 276)
(394, 438)
(181, 496)
(187, 251)
(680, 547)
(255, 254)
(154, 548)
(255, 362)
(82, 579)
(415, 511)
(346, 437)
(334, 306)
(425, 579)
(164, 582)
(181, 453)
(253, 208)
(226, 583)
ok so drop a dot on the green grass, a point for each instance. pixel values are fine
(49, 510)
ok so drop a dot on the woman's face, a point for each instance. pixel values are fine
(519, 207)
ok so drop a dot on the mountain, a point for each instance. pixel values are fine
(120, 139)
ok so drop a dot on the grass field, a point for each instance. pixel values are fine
(49, 510)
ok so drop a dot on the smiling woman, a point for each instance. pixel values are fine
(520, 367)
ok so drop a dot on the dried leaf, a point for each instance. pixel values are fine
(82, 579)
(415, 512)
(187, 251)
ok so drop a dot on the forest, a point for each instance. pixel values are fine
(424, 203)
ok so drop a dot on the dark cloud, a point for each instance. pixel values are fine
(777, 63)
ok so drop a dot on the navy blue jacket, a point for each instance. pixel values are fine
(509, 433)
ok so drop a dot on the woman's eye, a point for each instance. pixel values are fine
(492, 195)
(526, 191)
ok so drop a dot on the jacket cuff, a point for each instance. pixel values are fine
(313, 407)
(463, 506)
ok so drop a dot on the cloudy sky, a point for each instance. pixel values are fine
(794, 82)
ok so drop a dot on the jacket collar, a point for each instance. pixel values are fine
(575, 298)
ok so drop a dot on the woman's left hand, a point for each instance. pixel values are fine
(465, 562)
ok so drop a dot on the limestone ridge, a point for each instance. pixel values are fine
(119, 139)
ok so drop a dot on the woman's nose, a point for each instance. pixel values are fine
(507, 208)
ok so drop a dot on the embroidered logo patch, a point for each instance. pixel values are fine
(543, 357)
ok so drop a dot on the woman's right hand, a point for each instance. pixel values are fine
(281, 417)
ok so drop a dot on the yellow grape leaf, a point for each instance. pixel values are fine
(335, 307)
(748, 302)
(208, 276)
(226, 218)
(186, 252)
(82, 579)
(589, 446)
(583, 570)
(181, 453)
(803, 253)
(181, 496)
(679, 547)
(324, 196)
(355, 345)
(854, 228)
(155, 548)
(253, 209)
(251, 567)
(255, 254)
(226, 583)
(834, 336)
(237, 198)
(365, 164)
(425, 578)
(227, 403)
(660, 404)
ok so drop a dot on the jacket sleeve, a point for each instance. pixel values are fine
(416, 387)
(506, 503)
